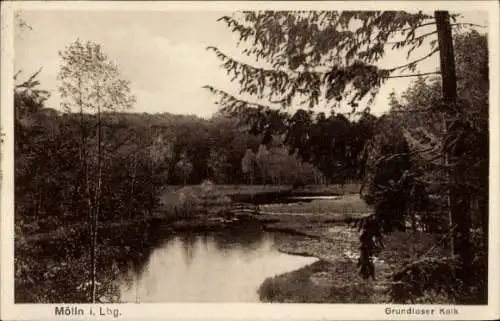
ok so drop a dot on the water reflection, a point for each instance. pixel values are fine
(226, 266)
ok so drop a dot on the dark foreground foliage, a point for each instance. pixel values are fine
(407, 181)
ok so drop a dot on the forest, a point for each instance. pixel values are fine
(422, 166)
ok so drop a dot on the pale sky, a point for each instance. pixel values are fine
(162, 54)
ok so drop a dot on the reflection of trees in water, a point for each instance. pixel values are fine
(126, 252)
(247, 238)
(142, 240)
(188, 243)
(133, 246)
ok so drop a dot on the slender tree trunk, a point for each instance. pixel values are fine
(458, 194)
(83, 152)
(447, 180)
(97, 200)
(85, 182)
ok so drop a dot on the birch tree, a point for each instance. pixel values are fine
(90, 83)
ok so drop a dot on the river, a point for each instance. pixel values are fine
(226, 266)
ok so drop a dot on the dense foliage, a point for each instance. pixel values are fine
(407, 177)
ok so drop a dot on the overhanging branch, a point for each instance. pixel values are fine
(414, 75)
(414, 61)
(419, 26)
(467, 24)
(290, 74)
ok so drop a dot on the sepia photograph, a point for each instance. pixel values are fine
(330, 155)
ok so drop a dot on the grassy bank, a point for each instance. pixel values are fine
(335, 278)
(314, 284)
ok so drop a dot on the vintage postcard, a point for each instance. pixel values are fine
(249, 160)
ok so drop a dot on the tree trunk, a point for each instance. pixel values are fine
(84, 170)
(448, 201)
(97, 202)
(458, 194)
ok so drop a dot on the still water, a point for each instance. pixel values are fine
(216, 267)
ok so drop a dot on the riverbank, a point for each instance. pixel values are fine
(335, 277)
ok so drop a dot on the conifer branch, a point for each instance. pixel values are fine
(414, 40)
(30, 82)
(414, 61)
(467, 24)
(230, 102)
(415, 75)
(419, 26)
